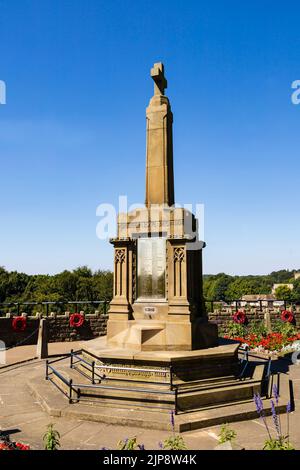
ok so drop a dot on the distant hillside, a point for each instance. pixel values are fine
(224, 287)
(83, 284)
(80, 284)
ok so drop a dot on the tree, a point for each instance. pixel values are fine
(296, 291)
(218, 285)
(283, 293)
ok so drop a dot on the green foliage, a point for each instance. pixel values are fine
(216, 287)
(224, 287)
(80, 284)
(258, 329)
(285, 328)
(174, 442)
(296, 290)
(129, 444)
(226, 434)
(83, 284)
(51, 438)
(283, 293)
(278, 444)
(236, 329)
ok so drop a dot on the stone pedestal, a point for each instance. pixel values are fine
(158, 302)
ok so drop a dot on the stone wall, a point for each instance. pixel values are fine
(59, 329)
(95, 324)
(223, 315)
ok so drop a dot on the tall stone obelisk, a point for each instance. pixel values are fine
(159, 149)
(157, 299)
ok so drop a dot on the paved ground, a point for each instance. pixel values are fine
(25, 353)
(26, 421)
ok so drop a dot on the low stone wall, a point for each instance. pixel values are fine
(223, 316)
(58, 327)
(95, 324)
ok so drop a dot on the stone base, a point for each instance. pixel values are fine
(159, 335)
(56, 404)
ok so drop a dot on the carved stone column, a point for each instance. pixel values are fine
(177, 276)
(122, 288)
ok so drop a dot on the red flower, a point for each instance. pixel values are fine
(21, 446)
(239, 317)
(4, 446)
(76, 320)
(287, 316)
(19, 323)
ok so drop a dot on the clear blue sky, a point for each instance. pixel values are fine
(72, 134)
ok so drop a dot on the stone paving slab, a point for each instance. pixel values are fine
(26, 353)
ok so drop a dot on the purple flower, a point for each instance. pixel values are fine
(160, 445)
(275, 417)
(276, 393)
(141, 446)
(289, 407)
(172, 418)
(258, 403)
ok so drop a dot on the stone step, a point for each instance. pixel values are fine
(53, 402)
(254, 374)
(227, 394)
(204, 384)
(208, 369)
(126, 393)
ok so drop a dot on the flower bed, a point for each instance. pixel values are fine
(283, 340)
(274, 344)
(7, 444)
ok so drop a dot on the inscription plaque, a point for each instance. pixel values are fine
(151, 264)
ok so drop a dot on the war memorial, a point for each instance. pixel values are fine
(160, 353)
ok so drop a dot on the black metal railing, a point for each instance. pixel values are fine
(211, 304)
(16, 308)
(73, 390)
(45, 307)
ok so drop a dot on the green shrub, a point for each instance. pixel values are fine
(285, 328)
(236, 329)
(51, 438)
(174, 442)
(258, 329)
(226, 434)
(130, 444)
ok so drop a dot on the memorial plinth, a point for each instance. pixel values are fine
(158, 302)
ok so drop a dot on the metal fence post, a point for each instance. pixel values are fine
(71, 359)
(171, 378)
(70, 391)
(93, 372)
(47, 369)
(176, 392)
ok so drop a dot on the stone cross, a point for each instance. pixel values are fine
(160, 82)
(159, 148)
